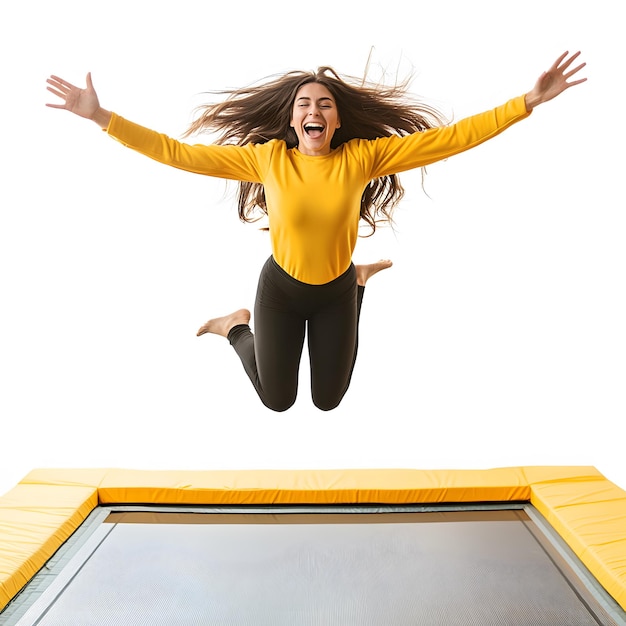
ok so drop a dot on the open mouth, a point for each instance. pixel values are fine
(313, 130)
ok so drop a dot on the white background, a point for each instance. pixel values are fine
(497, 339)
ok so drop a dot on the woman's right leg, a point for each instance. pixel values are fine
(271, 356)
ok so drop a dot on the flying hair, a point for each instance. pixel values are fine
(262, 111)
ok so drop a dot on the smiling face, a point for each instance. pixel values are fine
(315, 119)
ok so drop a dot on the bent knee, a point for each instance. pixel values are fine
(280, 405)
(327, 404)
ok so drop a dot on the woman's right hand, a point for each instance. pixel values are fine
(81, 102)
(555, 81)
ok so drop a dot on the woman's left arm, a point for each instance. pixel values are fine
(392, 155)
(555, 81)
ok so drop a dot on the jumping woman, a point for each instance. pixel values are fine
(318, 154)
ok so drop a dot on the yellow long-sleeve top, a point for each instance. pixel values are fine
(313, 202)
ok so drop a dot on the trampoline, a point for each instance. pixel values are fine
(506, 546)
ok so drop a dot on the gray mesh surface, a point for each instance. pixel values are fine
(293, 570)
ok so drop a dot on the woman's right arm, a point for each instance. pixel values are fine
(81, 102)
(232, 162)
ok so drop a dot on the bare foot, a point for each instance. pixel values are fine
(365, 272)
(222, 325)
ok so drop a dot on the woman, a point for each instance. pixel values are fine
(316, 153)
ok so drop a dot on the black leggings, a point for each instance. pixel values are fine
(284, 309)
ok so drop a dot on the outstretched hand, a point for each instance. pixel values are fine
(81, 102)
(555, 81)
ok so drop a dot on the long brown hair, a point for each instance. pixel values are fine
(263, 111)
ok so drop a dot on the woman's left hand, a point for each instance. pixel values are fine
(555, 81)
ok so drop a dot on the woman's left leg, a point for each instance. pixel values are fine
(333, 335)
(332, 341)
